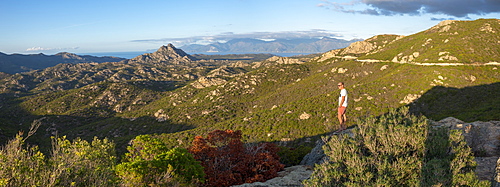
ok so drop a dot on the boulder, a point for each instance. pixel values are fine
(317, 155)
(482, 137)
(291, 176)
(484, 140)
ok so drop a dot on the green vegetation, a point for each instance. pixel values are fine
(394, 149)
(150, 163)
(397, 149)
(291, 105)
(265, 104)
(72, 163)
(469, 41)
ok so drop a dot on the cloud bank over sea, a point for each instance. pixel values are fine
(224, 37)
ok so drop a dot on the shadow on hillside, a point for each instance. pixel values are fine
(120, 130)
(14, 119)
(474, 103)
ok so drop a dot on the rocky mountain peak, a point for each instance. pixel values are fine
(66, 55)
(170, 50)
(165, 54)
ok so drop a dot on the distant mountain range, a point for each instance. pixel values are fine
(16, 63)
(248, 45)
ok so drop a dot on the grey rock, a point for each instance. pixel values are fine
(291, 176)
(316, 156)
(483, 139)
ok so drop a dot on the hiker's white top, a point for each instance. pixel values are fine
(343, 92)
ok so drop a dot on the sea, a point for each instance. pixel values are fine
(129, 55)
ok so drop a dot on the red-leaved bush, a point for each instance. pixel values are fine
(228, 162)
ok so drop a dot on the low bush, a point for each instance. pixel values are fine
(228, 162)
(150, 163)
(72, 163)
(396, 149)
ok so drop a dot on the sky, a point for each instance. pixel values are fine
(98, 26)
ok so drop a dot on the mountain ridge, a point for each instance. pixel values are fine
(248, 45)
(16, 63)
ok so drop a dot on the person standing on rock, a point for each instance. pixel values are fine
(342, 106)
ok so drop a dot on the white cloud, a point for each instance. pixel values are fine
(35, 49)
(224, 37)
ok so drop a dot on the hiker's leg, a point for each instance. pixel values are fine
(344, 118)
(341, 119)
(341, 116)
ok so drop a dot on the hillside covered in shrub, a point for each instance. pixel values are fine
(291, 102)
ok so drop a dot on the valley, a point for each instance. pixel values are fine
(290, 101)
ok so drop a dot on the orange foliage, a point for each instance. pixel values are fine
(228, 162)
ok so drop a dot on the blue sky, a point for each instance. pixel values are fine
(92, 26)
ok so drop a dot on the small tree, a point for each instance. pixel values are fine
(150, 163)
(228, 162)
(80, 163)
(72, 163)
(22, 165)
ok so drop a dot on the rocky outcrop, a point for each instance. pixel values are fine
(400, 58)
(482, 137)
(291, 176)
(276, 60)
(328, 55)
(360, 47)
(161, 115)
(410, 98)
(225, 71)
(204, 82)
(317, 156)
(443, 26)
(484, 140)
(284, 60)
(164, 55)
